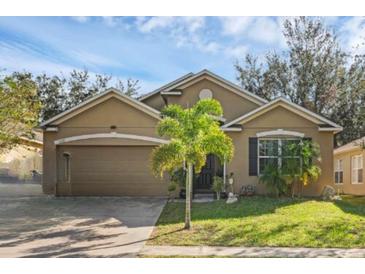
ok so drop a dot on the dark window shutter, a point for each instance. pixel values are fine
(252, 157)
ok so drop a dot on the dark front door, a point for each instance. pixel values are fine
(204, 180)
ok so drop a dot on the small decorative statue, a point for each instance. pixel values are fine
(231, 181)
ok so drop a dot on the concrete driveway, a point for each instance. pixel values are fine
(44, 226)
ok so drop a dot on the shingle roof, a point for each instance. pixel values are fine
(350, 146)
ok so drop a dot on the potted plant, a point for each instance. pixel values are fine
(217, 186)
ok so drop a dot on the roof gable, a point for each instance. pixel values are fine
(148, 95)
(190, 79)
(220, 81)
(281, 102)
(95, 100)
(352, 146)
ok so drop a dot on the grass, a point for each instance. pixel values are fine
(263, 221)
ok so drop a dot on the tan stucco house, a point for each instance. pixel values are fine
(103, 146)
(349, 164)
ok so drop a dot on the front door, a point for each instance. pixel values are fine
(204, 180)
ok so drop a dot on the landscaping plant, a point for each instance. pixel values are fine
(194, 133)
(274, 180)
(301, 166)
(218, 186)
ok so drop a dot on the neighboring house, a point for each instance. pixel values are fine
(103, 146)
(23, 162)
(349, 164)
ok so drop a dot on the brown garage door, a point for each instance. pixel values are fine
(112, 171)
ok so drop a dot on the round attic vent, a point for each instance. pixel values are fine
(205, 94)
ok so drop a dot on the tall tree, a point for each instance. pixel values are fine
(59, 93)
(129, 88)
(19, 108)
(52, 94)
(313, 72)
(193, 134)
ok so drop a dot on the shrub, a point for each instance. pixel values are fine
(218, 185)
(274, 180)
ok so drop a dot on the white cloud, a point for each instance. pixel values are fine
(81, 19)
(262, 29)
(235, 25)
(266, 30)
(184, 31)
(149, 24)
(91, 59)
(236, 51)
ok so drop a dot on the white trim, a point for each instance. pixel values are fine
(110, 135)
(165, 86)
(280, 132)
(219, 118)
(329, 129)
(227, 84)
(338, 168)
(279, 156)
(52, 129)
(309, 115)
(170, 92)
(233, 129)
(113, 93)
(356, 158)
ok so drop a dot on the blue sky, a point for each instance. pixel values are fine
(154, 50)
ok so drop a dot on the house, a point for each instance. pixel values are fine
(23, 162)
(103, 146)
(349, 167)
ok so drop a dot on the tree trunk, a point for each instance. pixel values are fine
(189, 183)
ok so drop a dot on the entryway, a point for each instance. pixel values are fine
(204, 181)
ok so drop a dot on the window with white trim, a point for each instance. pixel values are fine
(357, 169)
(339, 171)
(271, 151)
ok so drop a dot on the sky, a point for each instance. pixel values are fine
(154, 50)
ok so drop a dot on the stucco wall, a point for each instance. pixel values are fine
(233, 105)
(347, 187)
(280, 118)
(98, 119)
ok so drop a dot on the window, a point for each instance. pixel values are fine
(339, 171)
(67, 167)
(357, 167)
(272, 152)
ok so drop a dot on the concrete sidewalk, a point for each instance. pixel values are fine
(252, 252)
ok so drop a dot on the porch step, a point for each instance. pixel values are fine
(203, 195)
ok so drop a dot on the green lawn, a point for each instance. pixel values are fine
(262, 221)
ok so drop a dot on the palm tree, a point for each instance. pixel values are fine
(194, 133)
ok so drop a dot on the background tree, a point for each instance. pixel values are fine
(193, 134)
(52, 94)
(313, 72)
(19, 109)
(129, 88)
(58, 93)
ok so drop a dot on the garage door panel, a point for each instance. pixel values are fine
(107, 167)
(112, 170)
